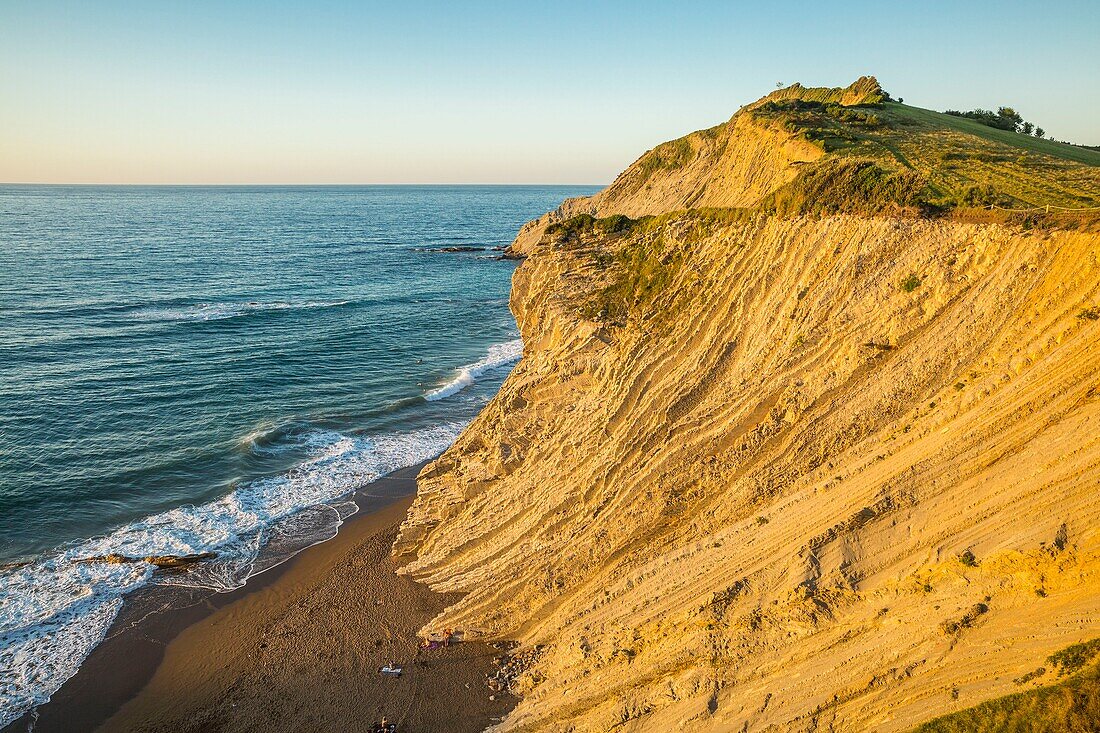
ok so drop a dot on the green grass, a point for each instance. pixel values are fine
(1070, 706)
(630, 258)
(963, 163)
(933, 120)
(908, 285)
(1073, 658)
(639, 273)
(850, 186)
(585, 224)
(970, 164)
(666, 156)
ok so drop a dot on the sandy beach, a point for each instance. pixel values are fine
(297, 649)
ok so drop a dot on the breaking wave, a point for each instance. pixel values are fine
(54, 610)
(500, 355)
(220, 311)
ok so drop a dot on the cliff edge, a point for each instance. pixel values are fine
(805, 437)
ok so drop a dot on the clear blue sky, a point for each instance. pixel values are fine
(329, 92)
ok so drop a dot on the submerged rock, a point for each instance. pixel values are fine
(164, 562)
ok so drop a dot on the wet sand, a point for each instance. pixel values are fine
(297, 649)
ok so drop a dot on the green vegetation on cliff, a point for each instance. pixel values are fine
(631, 257)
(819, 151)
(964, 163)
(1070, 706)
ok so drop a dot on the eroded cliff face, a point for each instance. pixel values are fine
(789, 473)
(818, 474)
(735, 164)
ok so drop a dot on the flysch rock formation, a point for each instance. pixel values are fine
(831, 472)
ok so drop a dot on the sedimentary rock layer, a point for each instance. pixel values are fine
(778, 473)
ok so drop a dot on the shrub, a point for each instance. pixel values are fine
(1074, 657)
(967, 558)
(1089, 314)
(966, 620)
(587, 224)
(988, 118)
(642, 271)
(984, 195)
(911, 282)
(849, 187)
(1034, 674)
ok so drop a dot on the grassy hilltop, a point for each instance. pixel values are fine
(849, 150)
(875, 152)
(855, 152)
(947, 161)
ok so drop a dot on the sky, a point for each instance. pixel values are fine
(485, 92)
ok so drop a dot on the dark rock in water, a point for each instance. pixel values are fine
(175, 561)
(14, 565)
(164, 562)
(450, 249)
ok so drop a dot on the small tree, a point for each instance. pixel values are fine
(1026, 128)
(1040, 132)
(1011, 117)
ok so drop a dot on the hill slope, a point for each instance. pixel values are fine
(763, 470)
(800, 132)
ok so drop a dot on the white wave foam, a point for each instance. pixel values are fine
(499, 355)
(54, 611)
(273, 439)
(219, 311)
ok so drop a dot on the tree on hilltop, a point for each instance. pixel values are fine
(1011, 117)
(1005, 118)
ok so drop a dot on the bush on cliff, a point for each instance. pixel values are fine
(850, 187)
(640, 272)
(582, 224)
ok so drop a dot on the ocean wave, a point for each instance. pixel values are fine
(55, 610)
(499, 355)
(231, 309)
(278, 438)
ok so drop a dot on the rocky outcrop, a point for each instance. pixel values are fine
(734, 164)
(162, 562)
(777, 473)
(705, 169)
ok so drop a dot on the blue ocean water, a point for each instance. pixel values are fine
(189, 369)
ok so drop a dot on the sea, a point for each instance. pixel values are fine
(196, 369)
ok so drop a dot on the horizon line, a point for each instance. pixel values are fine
(197, 185)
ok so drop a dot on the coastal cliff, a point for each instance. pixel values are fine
(799, 441)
